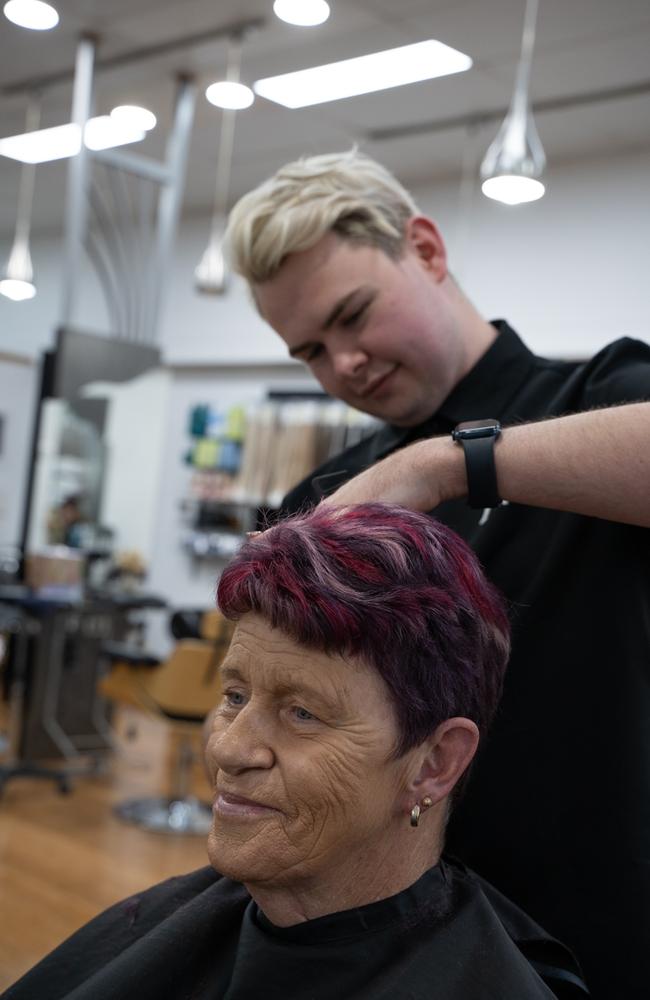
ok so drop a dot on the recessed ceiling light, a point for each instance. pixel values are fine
(230, 95)
(513, 189)
(133, 116)
(32, 14)
(363, 74)
(305, 13)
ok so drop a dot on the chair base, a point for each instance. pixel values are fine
(162, 815)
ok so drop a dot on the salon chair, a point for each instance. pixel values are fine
(181, 690)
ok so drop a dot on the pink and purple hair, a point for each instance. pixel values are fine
(395, 588)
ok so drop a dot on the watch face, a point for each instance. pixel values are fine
(488, 427)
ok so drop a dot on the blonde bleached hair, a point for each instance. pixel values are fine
(345, 193)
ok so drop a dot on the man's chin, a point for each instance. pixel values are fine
(396, 410)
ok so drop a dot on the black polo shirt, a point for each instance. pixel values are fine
(557, 810)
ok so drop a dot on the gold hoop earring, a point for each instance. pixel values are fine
(415, 814)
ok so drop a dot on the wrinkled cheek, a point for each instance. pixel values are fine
(291, 827)
(268, 835)
(312, 840)
(339, 782)
(324, 822)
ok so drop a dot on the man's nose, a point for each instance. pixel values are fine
(349, 362)
(243, 745)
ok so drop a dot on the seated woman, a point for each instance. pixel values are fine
(365, 667)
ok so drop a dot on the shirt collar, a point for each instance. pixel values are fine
(430, 897)
(485, 391)
(493, 381)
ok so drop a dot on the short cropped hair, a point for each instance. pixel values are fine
(396, 589)
(345, 193)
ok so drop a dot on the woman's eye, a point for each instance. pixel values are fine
(303, 715)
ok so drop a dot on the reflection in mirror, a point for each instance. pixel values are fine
(67, 481)
(94, 461)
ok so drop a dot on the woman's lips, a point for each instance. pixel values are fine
(237, 807)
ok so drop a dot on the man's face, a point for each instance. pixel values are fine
(378, 333)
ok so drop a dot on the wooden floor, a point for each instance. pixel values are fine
(64, 858)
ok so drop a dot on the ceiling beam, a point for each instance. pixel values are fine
(476, 118)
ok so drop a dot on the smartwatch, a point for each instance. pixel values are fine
(477, 438)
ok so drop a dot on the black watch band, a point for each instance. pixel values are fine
(477, 438)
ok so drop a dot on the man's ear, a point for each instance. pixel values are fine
(424, 239)
(444, 758)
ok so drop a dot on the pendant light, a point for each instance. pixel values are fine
(17, 281)
(34, 14)
(211, 274)
(514, 163)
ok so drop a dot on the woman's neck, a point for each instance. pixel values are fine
(358, 879)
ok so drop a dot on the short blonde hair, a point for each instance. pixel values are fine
(346, 193)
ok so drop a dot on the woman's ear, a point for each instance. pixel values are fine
(445, 757)
(424, 239)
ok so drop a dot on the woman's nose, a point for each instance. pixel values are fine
(240, 745)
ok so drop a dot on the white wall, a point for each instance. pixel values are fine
(570, 271)
(29, 327)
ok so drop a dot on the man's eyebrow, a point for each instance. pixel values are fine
(334, 314)
(331, 318)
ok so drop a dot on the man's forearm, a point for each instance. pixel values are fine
(595, 463)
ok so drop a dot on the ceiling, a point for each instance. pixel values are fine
(585, 48)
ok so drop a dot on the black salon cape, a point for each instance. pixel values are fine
(557, 810)
(200, 936)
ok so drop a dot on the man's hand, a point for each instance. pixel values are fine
(419, 476)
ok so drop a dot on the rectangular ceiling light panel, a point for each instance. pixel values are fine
(363, 74)
(64, 140)
(43, 145)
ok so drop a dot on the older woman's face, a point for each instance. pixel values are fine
(300, 755)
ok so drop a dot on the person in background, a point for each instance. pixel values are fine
(344, 266)
(64, 523)
(365, 667)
